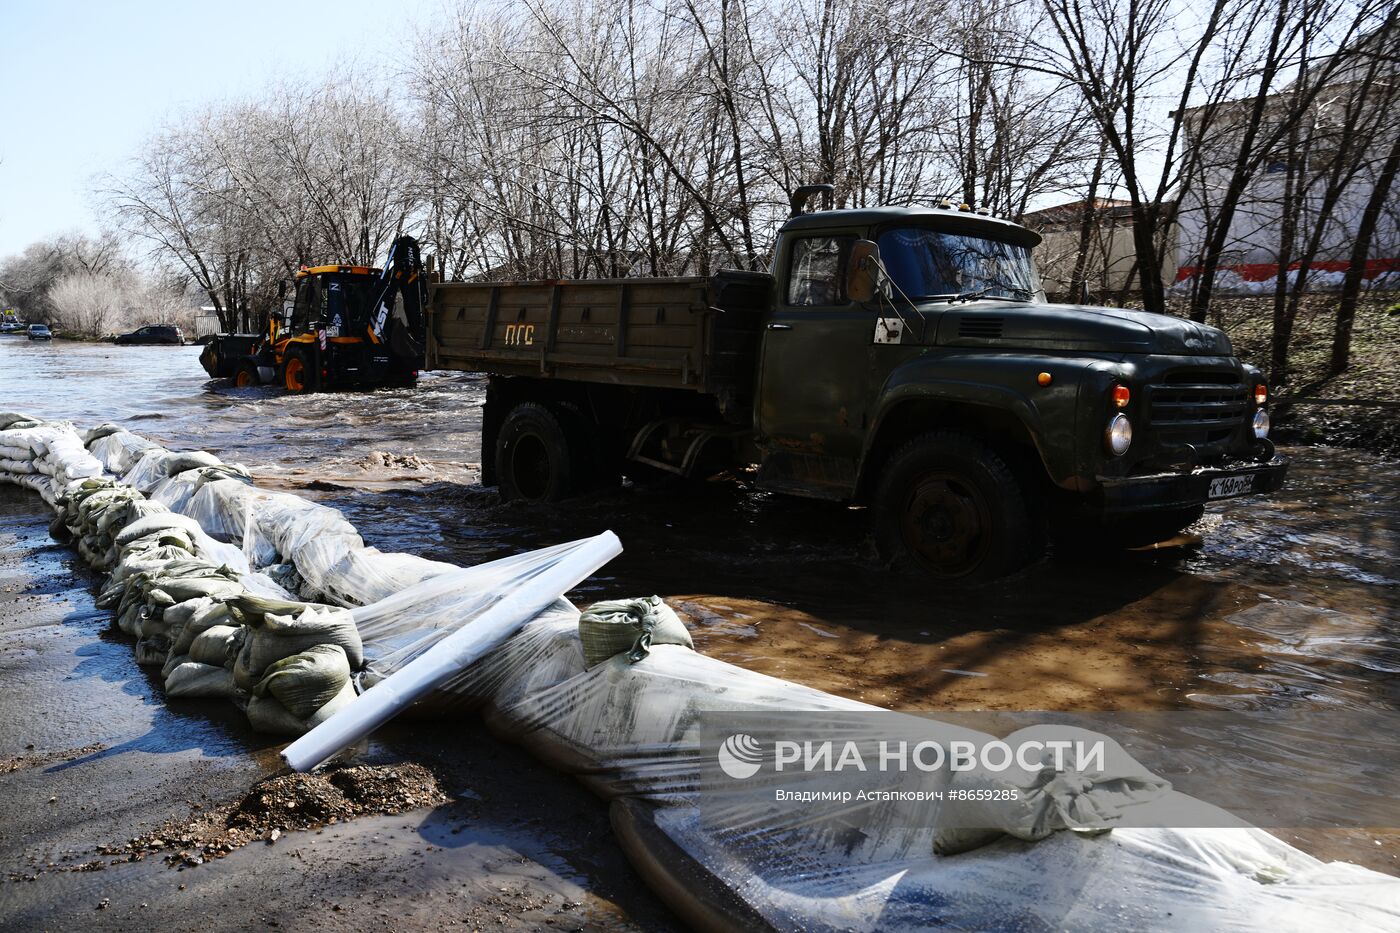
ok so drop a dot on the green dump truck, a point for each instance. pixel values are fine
(900, 358)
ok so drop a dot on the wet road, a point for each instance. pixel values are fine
(1292, 602)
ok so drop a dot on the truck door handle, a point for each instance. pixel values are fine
(780, 327)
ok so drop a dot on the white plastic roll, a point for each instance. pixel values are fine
(448, 657)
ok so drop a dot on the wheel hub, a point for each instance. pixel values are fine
(530, 468)
(945, 525)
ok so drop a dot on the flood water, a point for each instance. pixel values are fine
(1291, 602)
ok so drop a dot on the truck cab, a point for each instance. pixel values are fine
(941, 387)
(903, 359)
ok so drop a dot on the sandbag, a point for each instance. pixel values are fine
(106, 429)
(193, 679)
(629, 625)
(266, 714)
(205, 615)
(155, 523)
(157, 463)
(214, 586)
(1031, 804)
(152, 650)
(217, 644)
(172, 661)
(120, 452)
(189, 460)
(305, 682)
(275, 635)
(9, 418)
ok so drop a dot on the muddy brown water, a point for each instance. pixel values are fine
(1291, 602)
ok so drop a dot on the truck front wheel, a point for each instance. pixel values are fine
(949, 507)
(532, 456)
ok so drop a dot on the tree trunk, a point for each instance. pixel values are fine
(1149, 270)
(1079, 278)
(1356, 266)
(1292, 204)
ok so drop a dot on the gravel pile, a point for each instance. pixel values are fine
(283, 803)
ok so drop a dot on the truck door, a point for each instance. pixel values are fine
(815, 366)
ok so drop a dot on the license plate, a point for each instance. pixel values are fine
(1223, 487)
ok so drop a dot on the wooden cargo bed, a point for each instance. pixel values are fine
(697, 334)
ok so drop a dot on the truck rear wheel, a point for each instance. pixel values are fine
(533, 459)
(950, 508)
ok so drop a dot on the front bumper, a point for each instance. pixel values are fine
(1183, 490)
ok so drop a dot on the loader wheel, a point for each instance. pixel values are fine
(298, 375)
(533, 460)
(247, 375)
(948, 507)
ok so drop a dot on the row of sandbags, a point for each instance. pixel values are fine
(216, 632)
(235, 592)
(308, 548)
(215, 628)
(43, 456)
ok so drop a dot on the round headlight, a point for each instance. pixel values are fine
(1118, 435)
(1261, 423)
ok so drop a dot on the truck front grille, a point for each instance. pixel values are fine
(1198, 406)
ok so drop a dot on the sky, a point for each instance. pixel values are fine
(85, 83)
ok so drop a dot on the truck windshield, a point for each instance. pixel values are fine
(928, 263)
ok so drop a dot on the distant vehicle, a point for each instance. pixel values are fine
(11, 327)
(154, 333)
(347, 327)
(40, 332)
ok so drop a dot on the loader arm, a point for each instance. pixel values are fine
(398, 318)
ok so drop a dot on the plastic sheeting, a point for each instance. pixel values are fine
(331, 560)
(471, 612)
(629, 731)
(120, 450)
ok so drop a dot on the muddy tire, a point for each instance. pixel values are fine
(949, 508)
(298, 372)
(534, 461)
(246, 376)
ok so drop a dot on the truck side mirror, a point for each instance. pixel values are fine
(864, 280)
(281, 289)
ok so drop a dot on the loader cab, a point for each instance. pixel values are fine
(305, 305)
(339, 298)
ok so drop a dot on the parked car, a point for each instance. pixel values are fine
(40, 332)
(9, 327)
(154, 333)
